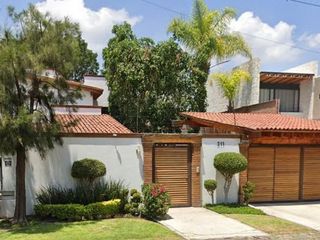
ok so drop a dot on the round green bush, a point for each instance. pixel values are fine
(88, 169)
(229, 163)
(210, 185)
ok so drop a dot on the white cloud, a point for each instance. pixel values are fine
(96, 26)
(269, 52)
(311, 40)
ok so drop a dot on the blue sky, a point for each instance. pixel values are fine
(282, 21)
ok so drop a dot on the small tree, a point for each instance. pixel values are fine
(88, 169)
(248, 191)
(228, 164)
(210, 185)
(229, 83)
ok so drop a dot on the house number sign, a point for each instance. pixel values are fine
(8, 162)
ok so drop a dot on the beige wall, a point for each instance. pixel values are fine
(248, 94)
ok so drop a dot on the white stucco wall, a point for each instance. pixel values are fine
(123, 158)
(86, 99)
(209, 150)
(309, 90)
(248, 91)
(100, 82)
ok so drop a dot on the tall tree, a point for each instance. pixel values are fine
(229, 83)
(208, 36)
(88, 63)
(149, 83)
(35, 44)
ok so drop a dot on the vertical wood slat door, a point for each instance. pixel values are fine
(311, 173)
(261, 172)
(172, 169)
(287, 174)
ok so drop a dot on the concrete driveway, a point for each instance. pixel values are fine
(201, 223)
(304, 213)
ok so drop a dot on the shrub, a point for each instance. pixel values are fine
(134, 206)
(155, 201)
(228, 164)
(61, 211)
(104, 209)
(77, 211)
(116, 189)
(248, 191)
(210, 185)
(85, 194)
(55, 195)
(88, 169)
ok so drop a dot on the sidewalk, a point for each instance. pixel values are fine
(200, 223)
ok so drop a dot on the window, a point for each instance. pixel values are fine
(287, 94)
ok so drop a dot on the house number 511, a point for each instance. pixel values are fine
(220, 144)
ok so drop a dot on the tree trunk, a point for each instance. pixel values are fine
(231, 106)
(20, 209)
(201, 96)
(212, 198)
(226, 188)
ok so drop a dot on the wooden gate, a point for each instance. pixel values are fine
(172, 168)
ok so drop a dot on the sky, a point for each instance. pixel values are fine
(281, 33)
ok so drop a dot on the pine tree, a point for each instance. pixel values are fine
(35, 43)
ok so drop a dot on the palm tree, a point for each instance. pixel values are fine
(229, 83)
(207, 35)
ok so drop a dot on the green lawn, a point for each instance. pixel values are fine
(118, 228)
(234, 209)
(256, 218)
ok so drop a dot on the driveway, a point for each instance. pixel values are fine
(201, 223)
(304, 213)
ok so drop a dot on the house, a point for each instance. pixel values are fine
(283, 152)
(297, 89)
(95, 135)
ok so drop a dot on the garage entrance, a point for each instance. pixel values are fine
(172, 168)
(286, 173)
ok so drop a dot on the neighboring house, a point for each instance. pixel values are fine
(297, 89)
(95, 135)
(283, 152)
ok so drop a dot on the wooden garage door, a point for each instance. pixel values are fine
(287, 173)
(276, 173)
(311, 174)
(172, 169)
(260, 172)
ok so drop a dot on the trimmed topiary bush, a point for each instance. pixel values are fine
(134, 206)
(210, 185)
(88, 169)
(228, 164)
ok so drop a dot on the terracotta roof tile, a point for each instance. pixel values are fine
(257, 121)
(91, 124)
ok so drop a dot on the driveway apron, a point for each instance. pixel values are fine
(201, 223)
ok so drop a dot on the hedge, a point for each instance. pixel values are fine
(74, 212)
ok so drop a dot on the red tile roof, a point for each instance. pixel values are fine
(91, 124)
(256, 121)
